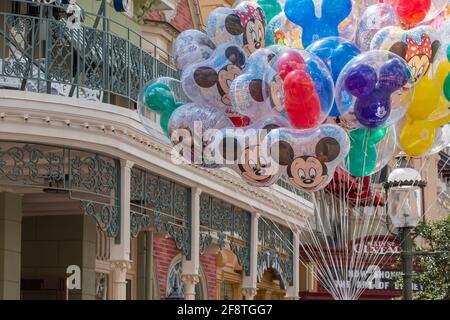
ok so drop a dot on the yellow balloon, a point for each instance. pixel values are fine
(442, 72)
(426, 100)
(417, 136)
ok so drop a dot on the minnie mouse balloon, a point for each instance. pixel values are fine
(376, 87)
(308, 158)
(307, 86)
(418, 47)
(208, 82)
(244, 26)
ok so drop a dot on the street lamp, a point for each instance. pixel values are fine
(404, 189)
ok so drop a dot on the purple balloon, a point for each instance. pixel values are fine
(361, 81)
(373, 109)
(373, 96)
(393, 75)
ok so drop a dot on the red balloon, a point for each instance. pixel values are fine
(411, 12)
(289, 61)
(301, 100)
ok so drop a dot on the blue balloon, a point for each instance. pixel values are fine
(335, 53)
(302, 13)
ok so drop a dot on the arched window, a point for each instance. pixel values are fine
(174, 283)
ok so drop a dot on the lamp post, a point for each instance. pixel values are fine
(404, 210)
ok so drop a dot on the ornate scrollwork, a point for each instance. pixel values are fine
(94, 173)
(230, 222)
(275, 250)
(87, 177)
(165, 204)
(107, 217)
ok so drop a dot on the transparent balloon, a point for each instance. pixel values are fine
(192, 128)
(281, 31)
(335, 52)
(158, 99)
(441, 70)
(308, 158)
(247, 90)
(414, 12)
(192, 46)
(419, 47)
(301, 85)
(372, 20)
(242, 150)
(374, 89)
(370, 150)
(208, 82)
(243, 25)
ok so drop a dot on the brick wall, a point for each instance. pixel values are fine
(164, 251)
(209, 267)
(183, 19)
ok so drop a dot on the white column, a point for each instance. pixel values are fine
(249, 283)
(190, 268)
(292, 291)
(120, 252)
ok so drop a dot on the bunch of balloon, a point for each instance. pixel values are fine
(309, 152)
(372, 94)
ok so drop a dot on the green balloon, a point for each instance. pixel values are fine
(270, 7)
(447, 87)
(159, 97)
(165, 117)
(362, 157)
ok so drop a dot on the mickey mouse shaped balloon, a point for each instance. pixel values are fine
(191, 129)
(370, 150)
(376, 87)
(317, 24)
(247, 91)
(308, 158)
(243, 151)
(160, 96)
(335, 52)
(208, 82)
(307, 86)
(192, 46)
(244, 26)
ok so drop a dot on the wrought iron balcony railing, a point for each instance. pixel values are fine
(102, 60)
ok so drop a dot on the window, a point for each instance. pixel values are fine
(176, 287)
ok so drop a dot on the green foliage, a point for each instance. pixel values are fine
(434, 261)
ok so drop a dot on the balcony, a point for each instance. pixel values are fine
(102, 60)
